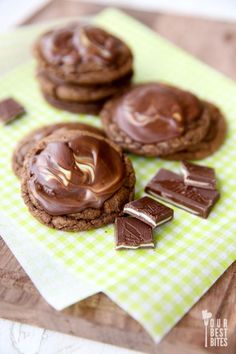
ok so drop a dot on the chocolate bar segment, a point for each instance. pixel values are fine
(132, 233)
(198, 176)
(9, 110)
(149, 211)
(170, 187)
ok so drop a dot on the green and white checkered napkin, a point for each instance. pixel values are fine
(157, 287)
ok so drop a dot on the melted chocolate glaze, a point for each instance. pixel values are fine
(152, 113)
(45, 131)
(76, 44)
(76, 173)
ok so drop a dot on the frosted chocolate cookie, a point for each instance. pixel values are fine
(210, 143)
(33, 137)
(154, 119)
(83, 54)
(76, 181)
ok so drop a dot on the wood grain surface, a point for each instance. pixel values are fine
(97, 317)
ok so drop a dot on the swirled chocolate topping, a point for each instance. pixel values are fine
(30, 140)
(77, 44)
(153, 113)
(69, 175)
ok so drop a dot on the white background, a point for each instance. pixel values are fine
(13, 12)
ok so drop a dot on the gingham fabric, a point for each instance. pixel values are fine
(158, 286)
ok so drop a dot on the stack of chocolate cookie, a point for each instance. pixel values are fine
(155, 119)
(80, 67)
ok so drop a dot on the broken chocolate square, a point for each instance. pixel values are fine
(198, 176)
(132, 233)
(170, 187)
(149, 211)
(9, 110)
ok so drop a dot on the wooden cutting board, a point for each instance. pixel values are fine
(97, 317)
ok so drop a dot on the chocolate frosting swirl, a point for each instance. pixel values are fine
(29, 141)
(76, 172)
(152, 113)
(78, 44)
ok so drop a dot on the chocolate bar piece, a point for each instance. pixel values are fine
(170, 187)
(132, 233)
(149, 211)
(198, 176)
(9, 110)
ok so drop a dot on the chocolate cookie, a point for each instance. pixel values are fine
(211, 142)
(74, 181)
(83, 54)
(63, 90)
(154, 119)
(33, 137)
(75, 107)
